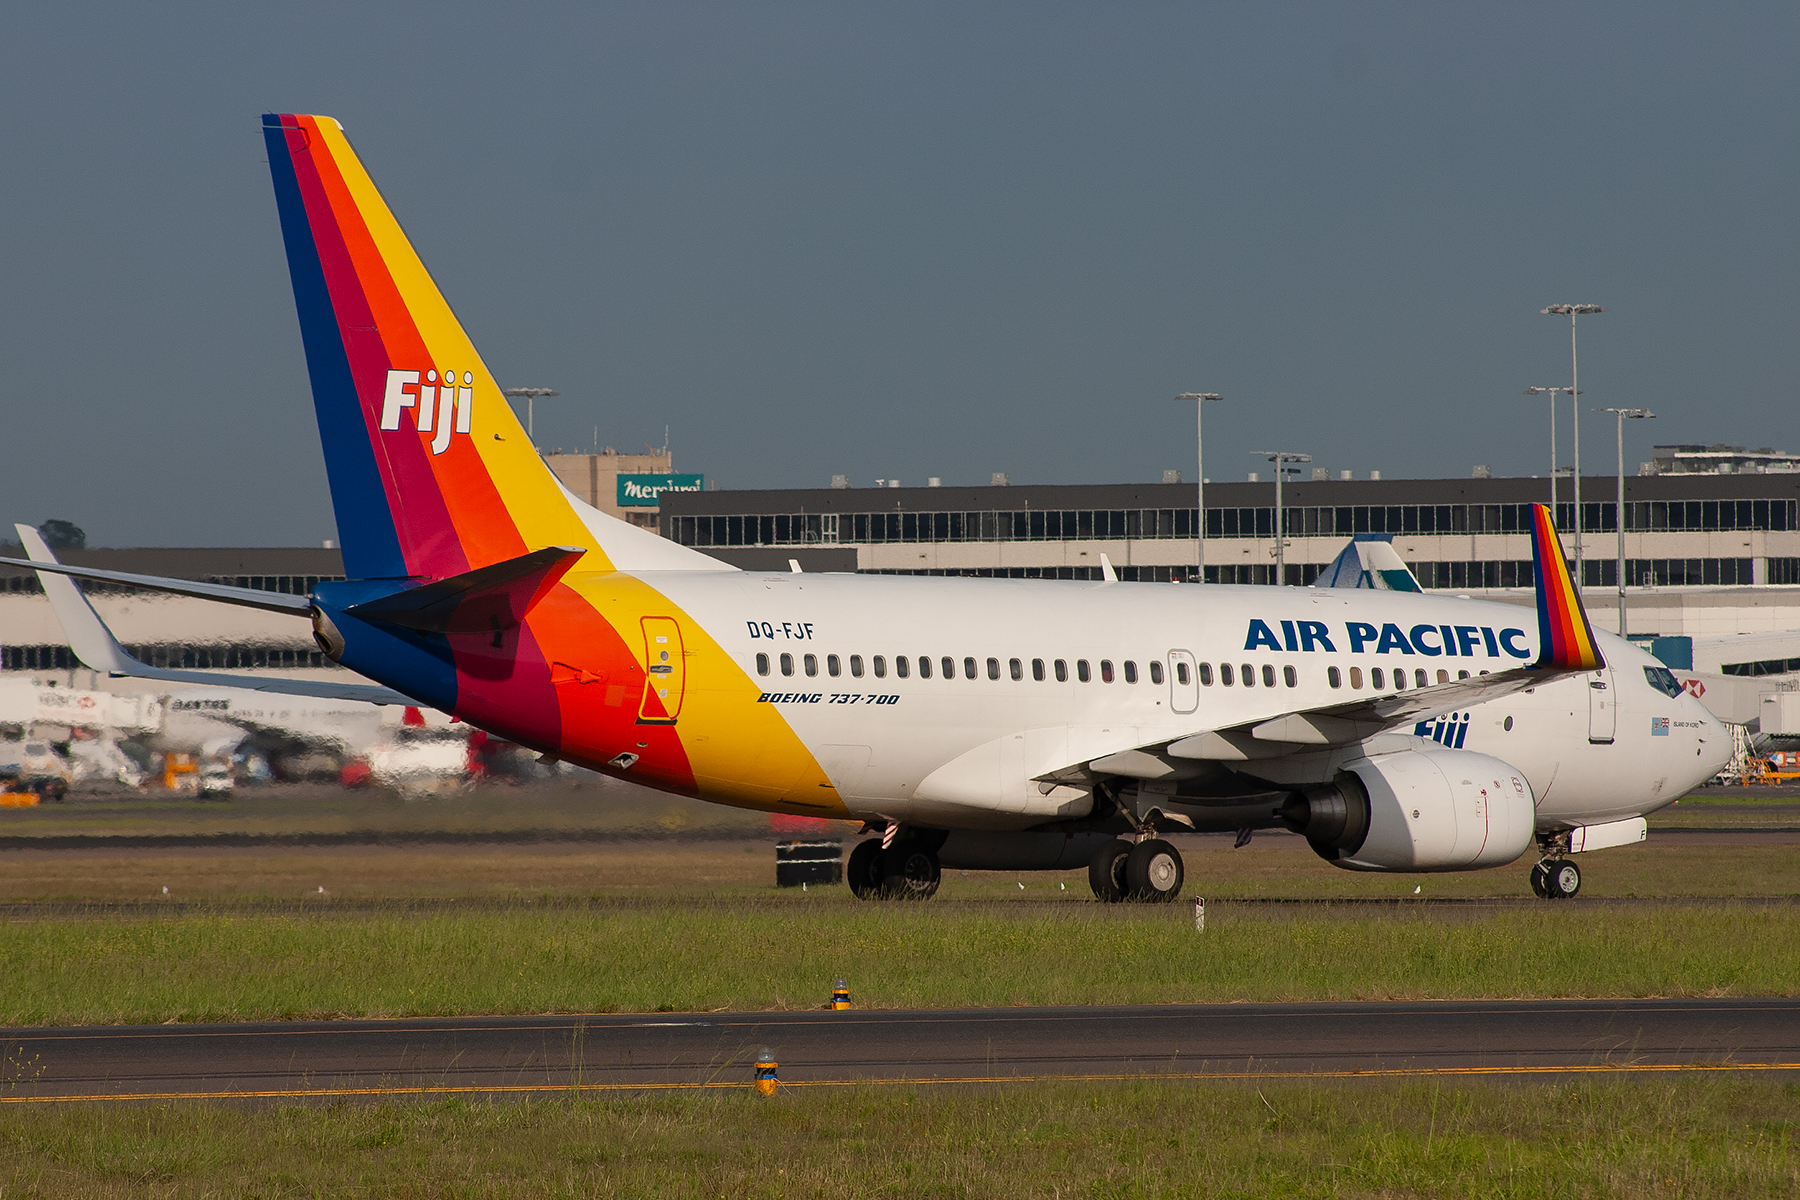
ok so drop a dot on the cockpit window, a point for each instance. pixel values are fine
(1663, 680)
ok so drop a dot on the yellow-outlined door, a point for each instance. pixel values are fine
(665, 672)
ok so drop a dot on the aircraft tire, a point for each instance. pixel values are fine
(1563, 880)
(1540, 879)
(860, 871)
(1106, 871)
(909, 871)
(1153, 872)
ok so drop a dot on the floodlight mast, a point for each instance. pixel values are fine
(1551, 392)
(1199, 400)
(1281, 459)
(531, 395)
(1572, 311)
(1623, 415)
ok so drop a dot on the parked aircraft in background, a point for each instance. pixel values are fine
(973, 722)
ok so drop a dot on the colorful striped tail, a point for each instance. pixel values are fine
(1565, 639)
(431, 474)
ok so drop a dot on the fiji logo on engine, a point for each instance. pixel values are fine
(1659, 727)
(438, 408)
(1448, 730)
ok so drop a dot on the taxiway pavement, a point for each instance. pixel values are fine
(612, 1052)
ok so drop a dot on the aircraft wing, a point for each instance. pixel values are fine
(94, 644)
(1566, 647)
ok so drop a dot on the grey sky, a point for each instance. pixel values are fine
(904, 240)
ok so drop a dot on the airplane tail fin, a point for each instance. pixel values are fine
(1369, 561)
(1565, 638)
(431, 474)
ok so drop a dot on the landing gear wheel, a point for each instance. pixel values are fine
(1153, 872)
(1106, 871)
(1540, 879)
(860, 871)
(909, 871)
(1563, 880)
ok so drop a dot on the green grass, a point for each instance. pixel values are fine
(1692, 1138)
(784, 955)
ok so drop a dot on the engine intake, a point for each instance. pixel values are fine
(1418, 810)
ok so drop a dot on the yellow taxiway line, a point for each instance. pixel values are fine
(746, 1085)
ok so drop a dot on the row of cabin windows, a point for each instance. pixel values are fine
(1378, 678)
(972, 668)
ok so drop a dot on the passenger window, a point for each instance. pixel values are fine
(924, 666)
(1225, 674)
(1420, 679)
(1334, 677)
(812, 664)
(856, 666)
(1247, 673)
(1462, 674)
(1205, 674)
(787, 664)
(1130, 671)
(1181, 674)
(1377, 679)
(1268, 675)
(1443, 676)
(1156, 675)
(1081, 669)
(994, 668)
(762, 664)
(1356, 677)
(1290, 676)
(969, 668)
(1106, 671)
(880, 665)
(833, 668)
(1037, 669)
(902, 665)
(949, 667)
(1017, 669)
(1062, 671)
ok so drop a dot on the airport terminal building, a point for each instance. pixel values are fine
(1707, 554)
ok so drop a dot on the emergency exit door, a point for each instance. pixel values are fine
(1184, 684)
(1603, 706)
(665, 672)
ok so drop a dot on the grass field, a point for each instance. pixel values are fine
(1692, 1138)
(743, 955)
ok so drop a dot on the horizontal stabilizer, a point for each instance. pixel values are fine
(490, 598)
(97, 649)
(223, 593)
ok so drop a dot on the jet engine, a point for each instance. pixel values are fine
(1417, 810)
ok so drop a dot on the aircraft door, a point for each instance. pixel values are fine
(665, 672)
(1603, 706)
(1184, 684)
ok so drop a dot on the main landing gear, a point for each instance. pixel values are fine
(1147, 872)
(906, 870)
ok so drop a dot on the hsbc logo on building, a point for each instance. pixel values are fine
(439, 407)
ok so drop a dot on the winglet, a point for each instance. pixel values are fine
(1565, 639)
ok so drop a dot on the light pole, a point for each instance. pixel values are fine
(531, 395)
(1572, 311)
(1623, 414)
(1199, 399)
(1551, 392)
(1281, 459)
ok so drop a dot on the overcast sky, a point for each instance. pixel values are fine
(906, 240)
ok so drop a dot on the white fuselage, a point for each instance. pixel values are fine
(1594, 748)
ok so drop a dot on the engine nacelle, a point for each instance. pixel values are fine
(1418, 810)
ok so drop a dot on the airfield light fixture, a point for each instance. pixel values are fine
(1573, 311)
(1623, 415)
(531, 396)
(1281, 459)
(1199, 399)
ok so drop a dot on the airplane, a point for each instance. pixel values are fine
(973, 723)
